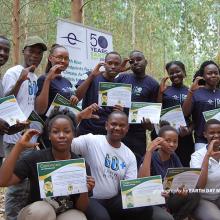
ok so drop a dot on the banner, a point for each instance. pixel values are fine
(87, 46)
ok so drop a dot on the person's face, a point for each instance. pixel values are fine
(33, 55)
(60, 56)
(4, 51)
(170, 143)
(176, 74)
(213, 133)
(117, 127)
(113, 65)
(61, 134)
(211, 75)
(138, 63)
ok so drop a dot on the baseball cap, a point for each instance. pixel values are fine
(34, 40)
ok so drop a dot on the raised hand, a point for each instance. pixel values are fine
(163, 85)
(96, 71)
(87, 113)
(184, 131)
(146, 124)
(155, 144)
(214, 149)
(195, 84)
(54, 72)
(24, 141)
(90, 183)
(123, 65)
(118, 108)
(24, 73)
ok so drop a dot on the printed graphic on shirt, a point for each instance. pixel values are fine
(137, 90)
(179, 97)
(113, 166)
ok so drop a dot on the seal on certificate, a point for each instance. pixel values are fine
(48, 187)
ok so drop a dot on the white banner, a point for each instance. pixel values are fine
(87, 46)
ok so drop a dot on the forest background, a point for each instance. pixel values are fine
(165, 30)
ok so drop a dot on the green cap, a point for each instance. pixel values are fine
(35, 40)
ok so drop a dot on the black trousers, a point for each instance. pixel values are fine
(111, 209)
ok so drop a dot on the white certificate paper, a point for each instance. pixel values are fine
(62, 103)
(61, 178)
(140, 110)
(111, 94)
(142, 192)
(212, 114)
(10, 110)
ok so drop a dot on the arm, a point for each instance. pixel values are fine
(41, 101)
(23, 76)
(187, 105)
(82, 89)
(162, 88)
(7, 177)
(145, 168)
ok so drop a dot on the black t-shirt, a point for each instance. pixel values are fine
(26, 167)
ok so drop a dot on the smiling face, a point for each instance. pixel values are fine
(213, 133)
(60, 56)
(211, 75)
(138, 63)
(171, 142)
(61, 134)
(4, 51)
(117, 127)
(176, 74)
(33, 55)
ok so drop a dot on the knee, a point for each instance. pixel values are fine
(39, 211)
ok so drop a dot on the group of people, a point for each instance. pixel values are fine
(113, 149)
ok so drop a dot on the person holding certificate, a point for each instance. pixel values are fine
(202, 96)
(88, 90)
(144, 89)
(175, 95)
(61, 131)
(207, 158)
(110, 161)
(52, 82)
(160, 155)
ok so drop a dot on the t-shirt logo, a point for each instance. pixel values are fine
(137, 90)
(210, 101)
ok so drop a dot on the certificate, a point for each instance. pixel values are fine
(142, 192)
(212, 114)
(36, 123)
(62, 103)
(140, 110)
(177, 177)
(173, 115)
(111, 94)
(61, 178)
(10, 110)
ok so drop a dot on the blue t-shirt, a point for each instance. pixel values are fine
(143, 90)
(203, 100)
(174, 96)
(159, 167)
(59, 85)
(94, 126)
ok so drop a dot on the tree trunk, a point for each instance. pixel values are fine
(76, 10)
(133, 39)
(15, 31)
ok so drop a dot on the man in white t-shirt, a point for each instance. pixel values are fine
(21, 81)
(110, 161)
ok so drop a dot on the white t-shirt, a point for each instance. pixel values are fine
(108, 165)
(25, 96)
(213, 180)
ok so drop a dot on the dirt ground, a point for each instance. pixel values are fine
(2, 192)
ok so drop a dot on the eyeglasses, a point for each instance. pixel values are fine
(60, 58)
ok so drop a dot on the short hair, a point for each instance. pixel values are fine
(117, 113)
(136, 51)
(176, 62)
(165, 128)
(112, 52)
(211, 122)
(55, 114)
(5, 38)
(201, 70)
